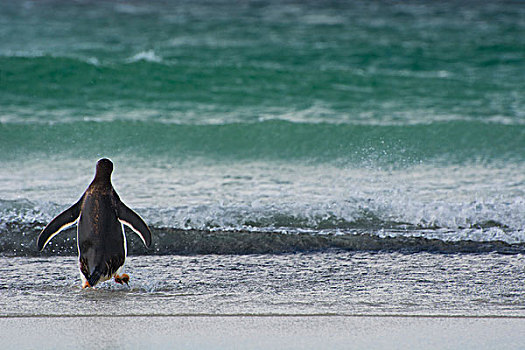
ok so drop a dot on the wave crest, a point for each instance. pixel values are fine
(147, 56)
(20, 240)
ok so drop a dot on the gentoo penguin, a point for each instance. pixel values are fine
(100, 235)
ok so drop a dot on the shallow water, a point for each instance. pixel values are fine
(332, 283)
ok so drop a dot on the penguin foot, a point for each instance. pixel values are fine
(124, 278)
(85, 285)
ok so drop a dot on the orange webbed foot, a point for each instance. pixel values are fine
(124, 278)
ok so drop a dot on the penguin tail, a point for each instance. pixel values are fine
(94, 278)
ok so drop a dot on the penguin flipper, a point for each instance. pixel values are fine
(65, 219)
(131, 219)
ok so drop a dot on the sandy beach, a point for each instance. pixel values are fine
(261, 332)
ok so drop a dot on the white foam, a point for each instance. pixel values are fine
(148, 56)
(449, 203)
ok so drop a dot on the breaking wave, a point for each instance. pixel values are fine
(18, 239)
(241, 229)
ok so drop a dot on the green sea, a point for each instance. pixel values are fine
(378, 117)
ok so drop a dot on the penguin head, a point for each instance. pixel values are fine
(104, 168)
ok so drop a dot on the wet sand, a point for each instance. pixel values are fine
(261, 332)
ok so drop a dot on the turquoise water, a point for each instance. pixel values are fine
(345, 118)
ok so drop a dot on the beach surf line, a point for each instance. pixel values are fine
(263, 315)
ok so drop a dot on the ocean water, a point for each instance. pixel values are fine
(317, 131)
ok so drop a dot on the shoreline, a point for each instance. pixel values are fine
(269, 315)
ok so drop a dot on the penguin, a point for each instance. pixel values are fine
(100, 216)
